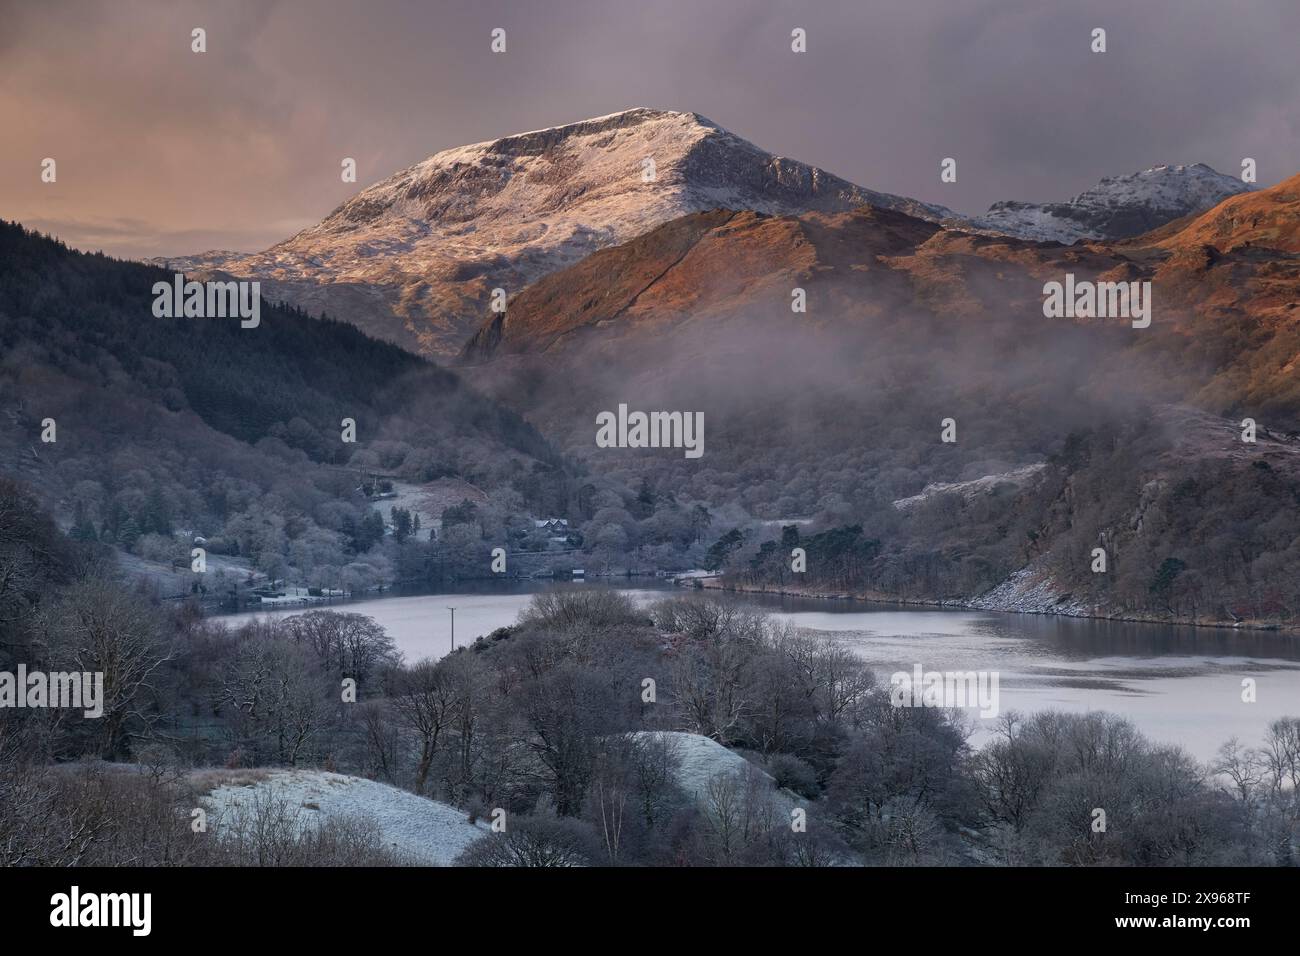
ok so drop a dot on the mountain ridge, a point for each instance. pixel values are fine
(414, 258)
(1136, 437)
(1117, 207)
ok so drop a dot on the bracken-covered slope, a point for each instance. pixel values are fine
(837, 409)
(1226, 299)
(413, 259)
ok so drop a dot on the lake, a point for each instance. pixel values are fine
(1177, 684)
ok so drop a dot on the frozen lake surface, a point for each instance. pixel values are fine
(1178, 684)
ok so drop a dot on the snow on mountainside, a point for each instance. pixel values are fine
(974, 488)
(1118, 207)
(414, 258)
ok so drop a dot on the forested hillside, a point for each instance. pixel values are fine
(196, 424)
(826, 352)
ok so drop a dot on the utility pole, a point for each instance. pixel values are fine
(453, 627)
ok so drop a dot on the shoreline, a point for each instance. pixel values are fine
(477, 587)
(526, 585)
(715, 584)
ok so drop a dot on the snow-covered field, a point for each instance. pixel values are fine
(428, 500)
(425, 831)
(169, 582)
(702, 759)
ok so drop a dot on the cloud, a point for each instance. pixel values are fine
(138, 239)
(225, 147)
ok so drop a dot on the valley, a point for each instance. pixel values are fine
(846, 436)
(824, 330)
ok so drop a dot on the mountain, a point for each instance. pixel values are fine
(1221, 278)
(413, 259)
(1118, 437)
(1266, 219)
(1118, 207)
(825, 332)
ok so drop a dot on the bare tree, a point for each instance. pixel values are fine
(1244, 768)
(1281, 756)
(382, 740)
(710, 683)
(278, 693)
(425, 701)
(534, 841)
(96, 626)
(352, 645)
(740, 813)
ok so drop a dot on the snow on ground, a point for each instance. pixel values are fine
(169, 582)
(428, 500)
(973, 488)
(428, 832)
(701, 759)
(696, 573)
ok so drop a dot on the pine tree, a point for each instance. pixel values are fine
(128, 533)
(83, 529)
(159, 516)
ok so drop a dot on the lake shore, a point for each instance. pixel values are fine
(988, 603)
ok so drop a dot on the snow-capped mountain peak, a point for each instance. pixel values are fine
(415, 257)
(602, 179)
(1118, 207)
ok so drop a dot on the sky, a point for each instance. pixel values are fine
(163, 151)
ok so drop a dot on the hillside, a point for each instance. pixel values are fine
(719, 274)
(164, 426)
(418, 830)
(835, 412)
(702, 762)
